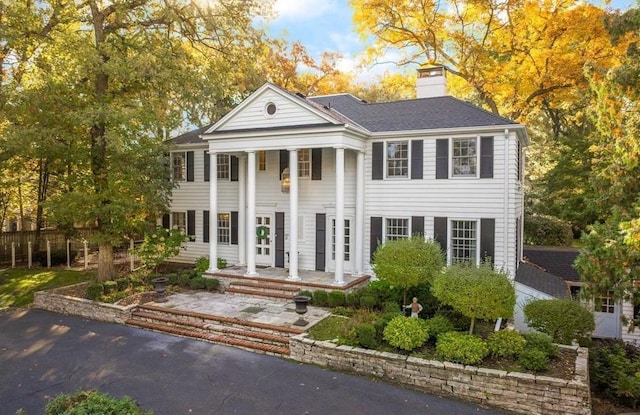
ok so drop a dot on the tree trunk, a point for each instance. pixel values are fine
(472, 326)
(106, 267)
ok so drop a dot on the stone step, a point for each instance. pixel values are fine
(255, 292)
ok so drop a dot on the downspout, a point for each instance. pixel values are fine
(505, 245)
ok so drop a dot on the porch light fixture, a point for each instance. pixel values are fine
(285, 182)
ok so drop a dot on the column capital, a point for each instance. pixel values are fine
(339, 147)
(292, 149)
(251, 151)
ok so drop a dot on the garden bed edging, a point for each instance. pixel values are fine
(518, 392)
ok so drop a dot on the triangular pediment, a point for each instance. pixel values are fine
(271, 107)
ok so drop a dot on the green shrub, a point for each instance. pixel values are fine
(202, 264)
(122, 284)
(184, 279)
(198, 283)
(352, 299)
(173, 278)
(390, 306)
(461, 348)
(505, 343)
(368, 301)
(547, 231)
(92, 403)
(222, 263)
(306, 293)
(534, 359)
(94, 291)
(563, 320)
(336, 298)
(58, 257)
(406, 333)
(320, 298)
(341, 311)
(438, 325)
(211, 284)
(613, 368)
(366, 333)
(459, 320)
(542, 342)
(382, 322)
(110, 286)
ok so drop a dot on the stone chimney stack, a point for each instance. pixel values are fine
(431, 82)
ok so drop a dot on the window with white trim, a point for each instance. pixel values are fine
(464, 241)
(304, 162)
(179, 166)
(605, 304)
(396, 228)
(224, 228)
(262, 160)
(347, 239)
(179, 221)
(464, 157)
(224, 166)
(397, 159)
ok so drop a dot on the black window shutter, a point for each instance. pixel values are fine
(442, 158)
(234, 228)
(190, 168)
(377, 160)
(416, 159)
(440, 232)
(316, 164)
(168, 165)
(284, 161)
(279, 260)
(487, 240)
(417, 225)
(166, 221)
(321, 241)
(191, 224)
(233, 160)
(376, 234)
(205, 226)
(486, 157)
(207, 166)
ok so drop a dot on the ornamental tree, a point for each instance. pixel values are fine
(476, 291)
(407, 263)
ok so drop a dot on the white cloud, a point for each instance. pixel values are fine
(301, 9)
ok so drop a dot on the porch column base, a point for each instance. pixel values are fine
(251, 274)
(293, 278)
(338, 283)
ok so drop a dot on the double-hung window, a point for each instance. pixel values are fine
(304, 163)
(397, 159)
(464, 157)
(179, 166)
(262, 160)
(224, 228)
(224, 166)
(179, 221)
(464, 241)
(396, 228)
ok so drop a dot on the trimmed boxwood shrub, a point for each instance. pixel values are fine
(320, 298)
(336, 298)
(110, 286)
(198, 283)
(173, 278)
(92, 403)
(542, 342)
(366, 333)
(368, 301)
(438, 325)
(564, 320)
(461, 348)
(94, 291)
(505, 343)
(352, 299)
(534, 359)
(212, 284)
(406, 333)
(122, 284)
(184, 280)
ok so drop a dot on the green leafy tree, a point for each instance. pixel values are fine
(160, 245)
(562, 319)
(478, 292)
(406, 263)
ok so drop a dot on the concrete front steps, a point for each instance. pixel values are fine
(248, 335)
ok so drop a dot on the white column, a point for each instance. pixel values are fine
(213, 212)
(359, 226)
(251, 213)
(293, 215)
(242, 209)
(339, 264)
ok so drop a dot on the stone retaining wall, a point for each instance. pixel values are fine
(54, 301)
(517, 392)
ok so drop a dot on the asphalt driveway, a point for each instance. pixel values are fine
(43, 354)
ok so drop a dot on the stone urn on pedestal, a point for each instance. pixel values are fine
(160, 287)
(301, 308)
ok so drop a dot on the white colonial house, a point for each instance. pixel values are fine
(317, 183)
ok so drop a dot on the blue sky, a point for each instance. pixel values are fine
(326, 25)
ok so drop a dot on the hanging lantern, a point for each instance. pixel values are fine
(285, 181)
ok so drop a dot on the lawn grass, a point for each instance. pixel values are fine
(18, 285)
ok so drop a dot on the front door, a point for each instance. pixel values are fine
(331, 243)
(264, 240)
(607, 318)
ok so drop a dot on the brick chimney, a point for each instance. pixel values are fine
(431, 82)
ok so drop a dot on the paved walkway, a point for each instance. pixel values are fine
(43, 354)
(261, 310)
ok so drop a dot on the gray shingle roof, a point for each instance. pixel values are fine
(556, 260)
(415, 114)
(536, 278)
(191, 137)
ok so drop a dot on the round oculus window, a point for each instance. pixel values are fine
(270, 109)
